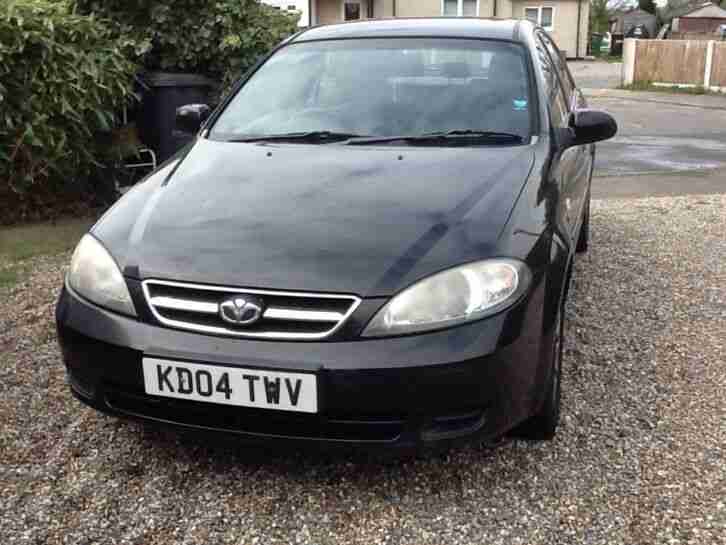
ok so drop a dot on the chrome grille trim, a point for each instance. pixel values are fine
(183, 304)
(160, 303)
(281, 313)
(271, 313)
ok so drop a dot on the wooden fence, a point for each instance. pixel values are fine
(683, 63)
(718, 65)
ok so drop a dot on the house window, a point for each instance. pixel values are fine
(541, 15)
(351, 11)
(459, 8)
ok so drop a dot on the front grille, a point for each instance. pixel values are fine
(286, 315)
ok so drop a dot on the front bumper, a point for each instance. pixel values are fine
(472, 381)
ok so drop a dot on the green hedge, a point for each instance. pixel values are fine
(216, 38)
(63, 79)
(67, 69)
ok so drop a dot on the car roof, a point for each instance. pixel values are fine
(449, 27)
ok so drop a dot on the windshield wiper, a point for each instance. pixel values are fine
(474, 133)
(306, 137)
(456, 135)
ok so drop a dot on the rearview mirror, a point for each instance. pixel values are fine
(590, 126)
(191, 117)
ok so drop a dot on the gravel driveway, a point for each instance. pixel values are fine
(640, 458)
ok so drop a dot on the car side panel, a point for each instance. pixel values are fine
(579, 178)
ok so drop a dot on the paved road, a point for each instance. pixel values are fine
(666, 145)
(596, 74)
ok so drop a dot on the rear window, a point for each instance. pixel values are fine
(385, 87)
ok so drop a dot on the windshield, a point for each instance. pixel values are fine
(384, 87)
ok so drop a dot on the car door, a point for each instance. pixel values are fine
(578, 184)
(564, 164)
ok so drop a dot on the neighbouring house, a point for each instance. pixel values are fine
(566, 20)
(705, 19)
(624, 21)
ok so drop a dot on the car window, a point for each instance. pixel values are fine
(568, 85)
(545, 63)
(384, 87)
(559, 107)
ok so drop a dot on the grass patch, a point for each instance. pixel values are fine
(27, 241)
(648, 86)
(8, 277)
(18, 244)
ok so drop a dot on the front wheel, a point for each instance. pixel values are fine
(543, 425)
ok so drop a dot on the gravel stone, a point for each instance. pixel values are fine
(640, 456)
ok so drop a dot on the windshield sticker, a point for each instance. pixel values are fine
(519, 105)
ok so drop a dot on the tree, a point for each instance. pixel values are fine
(676, 8)
(599, 16)
(647, 5)
(602, 10)
(217, 38)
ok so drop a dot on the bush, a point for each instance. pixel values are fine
(216, 38)
(63, 79)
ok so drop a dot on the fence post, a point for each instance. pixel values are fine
(709, 65)
(628, 73)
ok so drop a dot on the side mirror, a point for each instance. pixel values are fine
(191, 117)
(590, 126)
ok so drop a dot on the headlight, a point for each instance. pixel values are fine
(451, 297)
(95, 275)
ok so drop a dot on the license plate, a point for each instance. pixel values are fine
(231, 385)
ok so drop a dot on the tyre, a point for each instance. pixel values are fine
(543, 425)
(584, 239)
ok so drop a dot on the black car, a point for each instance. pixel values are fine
(369, 243)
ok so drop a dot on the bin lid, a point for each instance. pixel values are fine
(176, 79)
